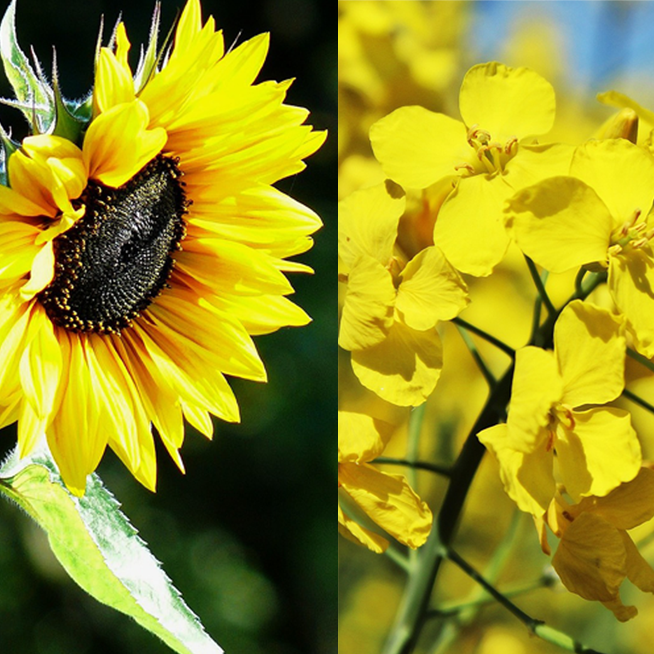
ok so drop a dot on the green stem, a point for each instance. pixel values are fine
(579, 281)
(413, 441)
(540, 285)
(418, 465)
(481, 364)
(638, 400)
(637, 356)
(485, 335)
(538, 627)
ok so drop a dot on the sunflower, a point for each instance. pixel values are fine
(142, 245)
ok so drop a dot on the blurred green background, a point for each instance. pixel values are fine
(247, 533)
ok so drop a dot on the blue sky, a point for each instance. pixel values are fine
(602, 40)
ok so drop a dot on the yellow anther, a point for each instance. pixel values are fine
(464, 166)
(511, 144)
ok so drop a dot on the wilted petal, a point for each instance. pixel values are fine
(591, 559)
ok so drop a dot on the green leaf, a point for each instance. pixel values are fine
(102, 552)
(33, 94)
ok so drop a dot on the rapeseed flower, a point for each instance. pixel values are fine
(489, 155)
(596, 554)
(557, 407)
(391, 309)
(372, 503)
(143, 245)
(598, 217)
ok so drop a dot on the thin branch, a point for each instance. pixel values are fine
(418, 465)
(485, 335)
(540, 285)
(638, 400)
(537, 627)
(637, 356)
(481, 364)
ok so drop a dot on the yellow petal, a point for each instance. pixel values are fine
(353, 531)
(631, 283)
(367, 223)
(600, 453)
(591, 353)
(361, 437)
(470, 225)
(41, 273)
(507, 102)
(627, 506)
(404, 368)
(389, 501)
(621, 173)
(591, 560)
(431, 290)
(533, 163)
(528, 479)
(561, 223)
(639, 572)
(118, 144)
(537, 386)
(369, 305)
(417, 147)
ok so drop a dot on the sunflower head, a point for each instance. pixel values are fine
(144, 243)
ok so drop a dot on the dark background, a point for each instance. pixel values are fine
(247, 534)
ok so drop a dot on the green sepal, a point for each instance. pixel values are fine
(148, 60)
(8, 148)
(102, 552)
(34, 96)
(65, 124)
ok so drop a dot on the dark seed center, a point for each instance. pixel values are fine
(118, 257)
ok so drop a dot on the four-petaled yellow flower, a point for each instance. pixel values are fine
(599, 216)
(555, 409)
(596, 553)
(389, 314)
(371, 502)
(490, 155)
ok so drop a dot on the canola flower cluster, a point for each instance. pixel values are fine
(485, 184)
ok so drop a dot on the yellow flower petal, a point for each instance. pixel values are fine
(367, 223)
(404, 368)
(537, 386)
(627, 506)
(527, 478)
(359, 535)
(631, 283)
(470, 225)
(639, 572)
(600, 453)
(591, 353)
(389, 501)
(533, 163)
(507, 102)
(369, 305)
(560, 223)
(41, 273)
(430, 290)
(590, 559)
(621, 173)
(361, 437)
(118, 144)
(417, 147)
